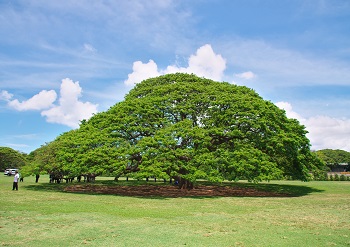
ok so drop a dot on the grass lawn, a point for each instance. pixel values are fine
(317, 214)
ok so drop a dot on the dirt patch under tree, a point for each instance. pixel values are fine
(171, 191)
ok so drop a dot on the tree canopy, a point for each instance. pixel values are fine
(10, 158)
(43, 160)
(333, 157)
(185, 127)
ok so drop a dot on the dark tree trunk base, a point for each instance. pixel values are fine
(185, 184)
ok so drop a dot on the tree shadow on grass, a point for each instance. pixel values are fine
(158, 190)
(286, 189)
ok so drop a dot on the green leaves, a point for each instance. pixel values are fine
(10, 158)
(180, 125)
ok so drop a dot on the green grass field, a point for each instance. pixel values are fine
(318, 214)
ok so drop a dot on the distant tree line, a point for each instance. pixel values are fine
(333, 157)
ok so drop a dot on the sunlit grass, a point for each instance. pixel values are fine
(318, 214)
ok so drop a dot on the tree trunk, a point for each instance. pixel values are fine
(184, 183)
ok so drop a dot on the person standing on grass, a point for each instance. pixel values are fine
(15, 181)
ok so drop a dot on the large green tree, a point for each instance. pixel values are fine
(44, 160)
(10, 158)
(185, 127)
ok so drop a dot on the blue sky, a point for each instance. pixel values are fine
(62, 61)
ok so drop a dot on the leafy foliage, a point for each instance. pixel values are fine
(330, 156)
(10, 158)
(184, 127)
(334, 157)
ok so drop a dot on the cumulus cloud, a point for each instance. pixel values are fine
(142, 71)
(327, 132)
(40, 101)
(324, 131)
(70, 110)
(289, 110)
(5, 95)
(205, 63)
(246, 75)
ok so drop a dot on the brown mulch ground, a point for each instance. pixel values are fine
(171, 191)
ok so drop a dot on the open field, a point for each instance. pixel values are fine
(43, 214)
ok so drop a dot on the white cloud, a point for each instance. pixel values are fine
(4, 95)
(142, 71)
(327, 132)
(40, 101)
(204, 63)
(324, 132)
(70, 110)
(246, 75)
(289, 110)
(89, 48)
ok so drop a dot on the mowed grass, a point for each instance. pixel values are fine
(318, 214)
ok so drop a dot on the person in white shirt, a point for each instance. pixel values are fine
(15, 181)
